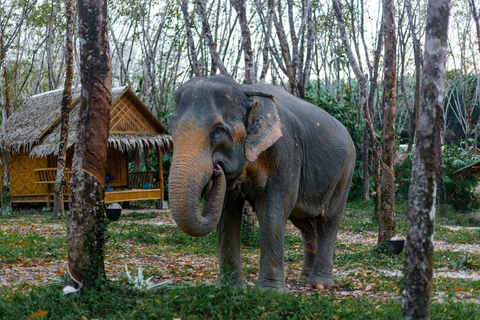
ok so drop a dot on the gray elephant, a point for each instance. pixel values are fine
(288, 158)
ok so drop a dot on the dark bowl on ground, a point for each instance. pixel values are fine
(395, 246)
(113, 214)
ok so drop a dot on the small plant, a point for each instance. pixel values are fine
(140, 283)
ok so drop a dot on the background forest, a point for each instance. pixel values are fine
(362, 61)
(157, 45)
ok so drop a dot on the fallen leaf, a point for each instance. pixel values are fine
(38, 315)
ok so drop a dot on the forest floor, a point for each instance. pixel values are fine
(33, 251)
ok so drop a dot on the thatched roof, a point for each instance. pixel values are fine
(35, 126)
(471, 169)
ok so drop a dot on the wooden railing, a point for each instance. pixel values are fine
(49, 175)
(139, 178)
(136, 179)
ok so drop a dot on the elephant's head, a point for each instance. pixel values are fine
(217, 128)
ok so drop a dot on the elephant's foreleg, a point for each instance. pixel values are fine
(308, 227)
(229, 237)
(272, 239)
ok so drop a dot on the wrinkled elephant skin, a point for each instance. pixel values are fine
(287, 157)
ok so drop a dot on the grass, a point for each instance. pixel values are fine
(367, 286)
(208, 302)
(17, 246)
(190, 302)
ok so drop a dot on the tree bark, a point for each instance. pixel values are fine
(418, 75)
(6, 152)
(86, 225)
(250, 72)
(209, 38)
(191, 45)
(387, 225)
(362, 79)
(418, 268)
(65, 112)
(267, 31)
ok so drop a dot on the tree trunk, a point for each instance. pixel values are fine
(362, 79)
(387, 225)
(86, 225)
(6, 152)
(6, 186)
(209, 38)
(191, 45)
(418, 76)
(418, 268)
(65, 111)
(250, 73)
(365, 167)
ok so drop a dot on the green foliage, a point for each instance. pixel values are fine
(403, 173)
(459, 191)
(166, 163)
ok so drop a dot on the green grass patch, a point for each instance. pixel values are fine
(463, 236)
(190, 302)
(452, 287)
(456, 260)
(209, 302)
(16, 247)
(135, 215)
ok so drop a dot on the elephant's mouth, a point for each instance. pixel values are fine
(212, 187)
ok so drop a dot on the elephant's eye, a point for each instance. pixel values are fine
(218, 132)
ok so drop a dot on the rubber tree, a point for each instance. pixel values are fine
(65, 111)
(418, 267)
(86, 225)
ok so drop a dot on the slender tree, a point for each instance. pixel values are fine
(387, 225)
(11, 23)
(86, 226)
(207, 33)
(191, 45)
(417, 53)
(418, 268)
(363, 81)
(250, 72)
(65, 110)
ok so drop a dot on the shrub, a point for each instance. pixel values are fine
(459, 191)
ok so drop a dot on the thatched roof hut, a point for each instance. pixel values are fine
(35, 126)
(33, 134)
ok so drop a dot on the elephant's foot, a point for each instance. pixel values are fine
(305, 273)
(318, 282)
(270, 285)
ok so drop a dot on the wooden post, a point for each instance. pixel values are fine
(160, 172)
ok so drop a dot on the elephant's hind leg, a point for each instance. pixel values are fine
(327, 228)
(308, 227)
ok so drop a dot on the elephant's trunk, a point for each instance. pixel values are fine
(190, 175)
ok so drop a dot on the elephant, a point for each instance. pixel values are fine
(289, 158)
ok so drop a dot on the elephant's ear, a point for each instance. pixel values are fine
(263, 125)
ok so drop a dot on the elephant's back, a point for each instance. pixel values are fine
(325, 149)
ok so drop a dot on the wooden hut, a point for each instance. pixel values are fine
(33, 132)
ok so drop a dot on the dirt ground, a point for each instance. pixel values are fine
(189, 268)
